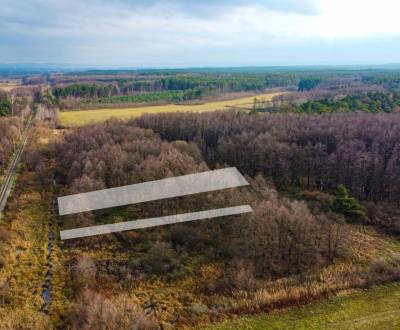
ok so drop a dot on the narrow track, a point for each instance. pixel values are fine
(48, 288)
(6, 187)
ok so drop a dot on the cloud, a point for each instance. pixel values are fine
(189, 32)
(216, 7)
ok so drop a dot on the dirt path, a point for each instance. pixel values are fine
(47, 293)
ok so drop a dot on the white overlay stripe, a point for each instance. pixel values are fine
(153, 222)
(152, 190)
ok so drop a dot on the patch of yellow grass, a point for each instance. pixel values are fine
(76, 118)
(25, 259)
(7, 87)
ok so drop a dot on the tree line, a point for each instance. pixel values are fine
(168, 96)
(10, 131)
(185, 86)
(372, 102)
(390, 80)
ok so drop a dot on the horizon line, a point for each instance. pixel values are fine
(103, 67)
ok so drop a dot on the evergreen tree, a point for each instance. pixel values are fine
(349, 206)
(5, 105)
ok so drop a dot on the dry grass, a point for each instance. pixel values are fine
(24, 258)
(373, 309)
(8, 86)
(82, 117)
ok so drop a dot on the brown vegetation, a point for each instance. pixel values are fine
(10, 131)
(287, 252)
(293, 249)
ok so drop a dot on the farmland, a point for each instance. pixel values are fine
(76, 118)
(376, 308)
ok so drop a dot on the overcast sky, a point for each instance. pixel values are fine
(182, 33)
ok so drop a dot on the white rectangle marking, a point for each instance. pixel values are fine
(152, 190)
(153, 222)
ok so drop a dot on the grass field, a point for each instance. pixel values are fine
(377, 308)
(8, 86)
(23, 260)
(76, 118)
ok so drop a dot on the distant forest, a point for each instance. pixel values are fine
(373, 102)
(325, 90)
(178, 88)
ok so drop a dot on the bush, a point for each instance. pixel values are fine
(84, 273)
(4, 235)
(160, 259)
(4, 292)
(94, 311)
(385, 215)
(186, 236)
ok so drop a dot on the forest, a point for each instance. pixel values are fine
(313, 181)
(164, 86)
(360, 151)
(389, 79)
(316, 91)
(169, 89)
(372, 102)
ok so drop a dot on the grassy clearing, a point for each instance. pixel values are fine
(76, 118)
(377, 308)
(7, 87)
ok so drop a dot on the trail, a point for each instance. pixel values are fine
(48, 288)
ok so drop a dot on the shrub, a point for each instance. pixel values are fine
(4, 292)
(94, 311)
(186, 236)
(84, 273)
(160, 259)
(4, 235)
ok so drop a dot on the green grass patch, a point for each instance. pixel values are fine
(377, 308)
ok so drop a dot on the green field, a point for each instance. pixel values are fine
(377, 308)
(76, 118)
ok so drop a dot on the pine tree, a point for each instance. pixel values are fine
(349, 206)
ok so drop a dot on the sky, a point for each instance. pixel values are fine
(195, 33)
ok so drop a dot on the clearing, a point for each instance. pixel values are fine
(8, 86)
(82, 117)
(377, 308)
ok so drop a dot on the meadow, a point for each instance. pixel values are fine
(8, 86)
(377, 308)
(82, 117)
